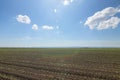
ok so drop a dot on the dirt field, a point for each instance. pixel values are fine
(60, 64)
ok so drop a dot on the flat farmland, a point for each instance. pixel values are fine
(59, 64)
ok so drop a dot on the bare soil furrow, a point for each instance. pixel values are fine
(81, 72)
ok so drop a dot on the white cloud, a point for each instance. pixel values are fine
(47, 27)
(112, 22)
(67, 2)
(104, 19)
(55, 10)
(23, 19)
(35, 27)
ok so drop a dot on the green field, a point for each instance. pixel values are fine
(59, 64)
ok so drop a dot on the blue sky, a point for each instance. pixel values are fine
(59, 23)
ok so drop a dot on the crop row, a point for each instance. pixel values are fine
(67, 71)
